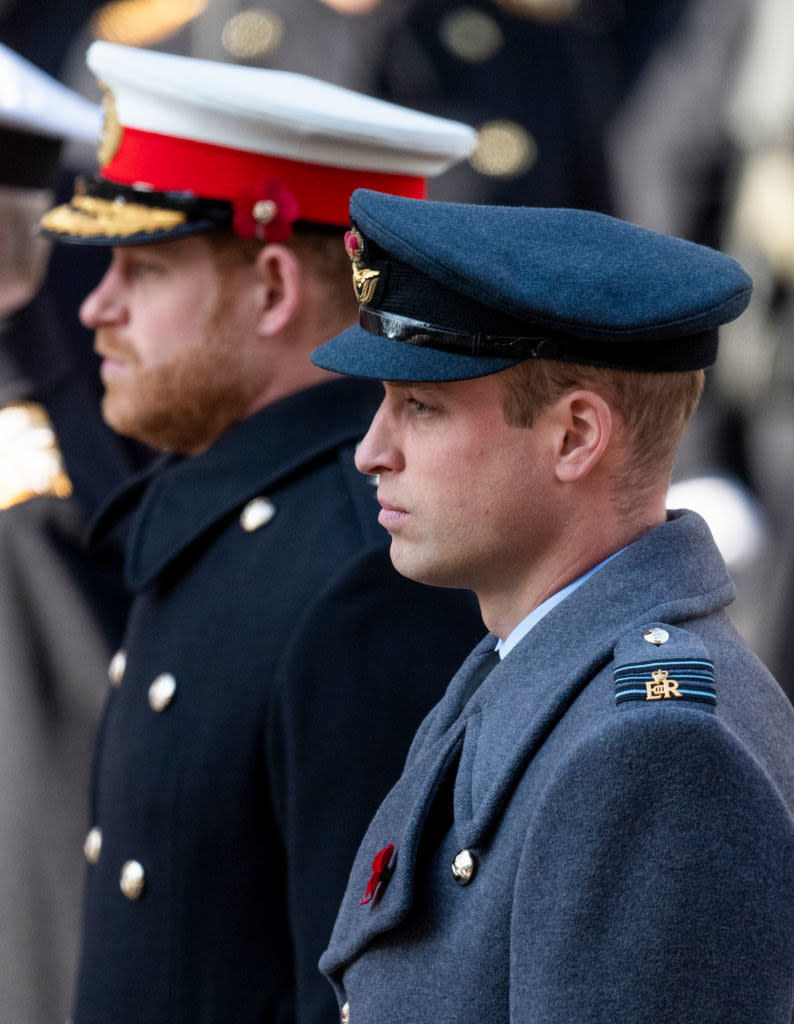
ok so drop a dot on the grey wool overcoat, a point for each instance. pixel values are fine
(627, 807)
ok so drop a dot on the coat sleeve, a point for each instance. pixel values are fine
(656, 883)
(367, 661)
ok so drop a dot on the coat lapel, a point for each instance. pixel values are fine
(673, 573)
(398, 822)
(182, 498)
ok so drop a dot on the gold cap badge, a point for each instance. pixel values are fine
(365, 280)
(110, 136)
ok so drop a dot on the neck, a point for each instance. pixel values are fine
(570, 557)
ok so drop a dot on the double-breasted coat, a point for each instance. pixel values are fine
(273, 671)
(617, 799)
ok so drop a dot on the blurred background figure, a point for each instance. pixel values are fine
(60, 611)
(757, 376)
(537, 77)
(703, 147)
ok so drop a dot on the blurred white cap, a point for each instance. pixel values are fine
(33, 102)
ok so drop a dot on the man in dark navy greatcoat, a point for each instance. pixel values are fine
(596, 822)
(274, 665)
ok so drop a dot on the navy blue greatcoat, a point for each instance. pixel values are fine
(632, 841)
(276, 669)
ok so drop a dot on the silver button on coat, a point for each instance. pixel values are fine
(92, 847)
(463, 867)
(256, 513)
(118, 663)
(162, 691)
(132, 880)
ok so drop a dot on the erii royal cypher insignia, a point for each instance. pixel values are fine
(670, 681)
(660, 686)
(365, 280)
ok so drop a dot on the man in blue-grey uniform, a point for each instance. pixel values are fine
(600, 827)
(274, 665)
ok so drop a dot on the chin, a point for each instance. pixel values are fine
(423, 570)
(119, 419)
(126, 423)
(113, 416)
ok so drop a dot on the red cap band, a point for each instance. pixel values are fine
(171, 164)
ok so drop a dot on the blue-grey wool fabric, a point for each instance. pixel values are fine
(630, 810)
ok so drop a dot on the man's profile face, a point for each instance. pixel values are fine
(174, 336)
(466, 498)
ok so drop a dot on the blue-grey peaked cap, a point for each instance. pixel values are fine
(450, 291)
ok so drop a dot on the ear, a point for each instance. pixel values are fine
(280, 278)
(584, 426)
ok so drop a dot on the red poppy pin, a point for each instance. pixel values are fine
(266, 212)
(354, 245)
(381, 873)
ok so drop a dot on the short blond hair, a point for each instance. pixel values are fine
(654, 407)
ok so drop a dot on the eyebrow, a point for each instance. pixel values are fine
(410, 385)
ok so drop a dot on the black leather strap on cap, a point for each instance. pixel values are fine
(689, 353)
(425, 335)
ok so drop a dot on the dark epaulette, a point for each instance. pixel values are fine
(662, 665)
(31, 463)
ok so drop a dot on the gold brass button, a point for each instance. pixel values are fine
(92, 847)
(256, 513)
(162, 691)
(463, 867)
(345, 1014)
(656, 636)
(133, 880)
(118, 664)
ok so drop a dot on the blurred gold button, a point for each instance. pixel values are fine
(133, 880)
(256, 513)
(265, 211)
(92, 847)
(162, 691)
(118, 664)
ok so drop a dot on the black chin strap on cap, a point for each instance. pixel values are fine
(691, 352)
(425, 335)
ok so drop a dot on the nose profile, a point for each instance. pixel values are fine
(103, 304)
(378, 451)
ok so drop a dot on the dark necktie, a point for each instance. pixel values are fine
(489, 661)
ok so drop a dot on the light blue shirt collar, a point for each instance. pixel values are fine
(504, 647)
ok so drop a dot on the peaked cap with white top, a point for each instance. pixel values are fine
(191, 145)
